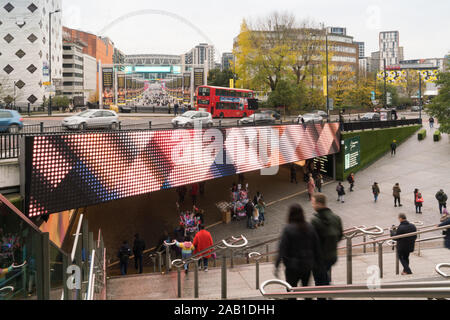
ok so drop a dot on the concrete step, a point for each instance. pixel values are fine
(241, 282)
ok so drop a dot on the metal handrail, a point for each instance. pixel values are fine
(439, 271)
(77, 234)
(388, 290)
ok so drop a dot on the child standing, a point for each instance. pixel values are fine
(419, 203)
(187, 248)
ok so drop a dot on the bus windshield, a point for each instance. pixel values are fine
(204, 92)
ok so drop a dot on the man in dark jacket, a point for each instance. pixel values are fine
(393, 148)
(138, 250)
(442, 198)
(249, 211)
(446, 222)
(405, 246)
(329, 229)
(124, 255)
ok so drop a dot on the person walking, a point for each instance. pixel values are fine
(202, 241)
(261, 206)
(445, 221)
(351, 181)
(341, 192)
(376, 191)
(311, 186)
(319, 183)
(431, 122)
(405, 246)
(328, 227)
(419, 203)
(176, 108)
(293, 174)
(396, 194)
(394, 148)
(442, 198)
(138, 251)
(124, 256)
(194, 193)
(299, 249)
(249, 207)
(187, 248)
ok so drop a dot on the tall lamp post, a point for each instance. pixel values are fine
(14, 95)
(50, 56)
(326, 49)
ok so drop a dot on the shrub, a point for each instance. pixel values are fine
(422, 134)
(437, 136)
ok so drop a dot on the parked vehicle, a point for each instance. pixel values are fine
(321, 113)
(10, 121)
(275, 114)
(372, 116)
(310, 118)
(92, 119)
(258, 119)
(416, 108)
(191, 119)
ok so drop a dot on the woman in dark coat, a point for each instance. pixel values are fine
(299, 248)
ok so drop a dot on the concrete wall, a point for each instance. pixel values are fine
(9, 174)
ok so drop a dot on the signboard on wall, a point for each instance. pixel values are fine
(199, 77)
(108, 84)
(352, 153)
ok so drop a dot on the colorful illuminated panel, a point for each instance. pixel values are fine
(76, 170)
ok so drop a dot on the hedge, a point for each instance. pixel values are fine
(422, 134)
(437, 136)
(374, 144)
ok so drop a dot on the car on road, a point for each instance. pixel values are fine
(92, 119)
(258, 119)
(372, 116)
(310, 118)
(321, 113)
(416, 108)
(275, 114)
(10, 121)
(191, 119)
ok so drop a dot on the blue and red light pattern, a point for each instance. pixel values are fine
(69, 171)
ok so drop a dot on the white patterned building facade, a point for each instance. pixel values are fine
(24, 48)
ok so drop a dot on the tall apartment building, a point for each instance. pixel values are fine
(227, 58)
(102, 49)
(361, 49)
(201, 55)
(73, 76)
(390, 48)
(25, 48)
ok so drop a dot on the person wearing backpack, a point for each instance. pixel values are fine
(187, 248)
(419, 203)
(442, 198)
(376, 191)
(328, 227)
(124, 256)
(341, 192)
(351, 181)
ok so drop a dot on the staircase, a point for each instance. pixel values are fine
(241, 282)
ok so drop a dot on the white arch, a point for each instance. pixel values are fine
(156, 12)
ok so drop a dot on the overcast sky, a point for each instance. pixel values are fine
(424, 25)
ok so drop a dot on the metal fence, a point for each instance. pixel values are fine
(372, 125)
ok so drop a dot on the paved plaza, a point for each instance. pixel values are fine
(424, 165)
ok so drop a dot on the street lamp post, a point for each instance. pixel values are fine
(326, 49)
(420, 95)
(385, 86)
(50, 57)
(14, 95)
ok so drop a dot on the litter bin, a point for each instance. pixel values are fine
(225, 209)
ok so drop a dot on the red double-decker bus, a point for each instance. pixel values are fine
(226, 102)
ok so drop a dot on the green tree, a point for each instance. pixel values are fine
(440, 107)
(288, 95)
(219, 78)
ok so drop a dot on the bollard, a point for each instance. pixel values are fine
(150, 124)
(380, 258)
(257, 274)
(418, 238)
(159, 262)
(220, 123)
(224, 277)
(167, 260)
(195, 279)
(179, 281)
(349, 261)
(267, 253)
(365, 247)
(397, 261)
(231, 259)
(42, 127)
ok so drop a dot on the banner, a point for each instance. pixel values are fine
(108, 87)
